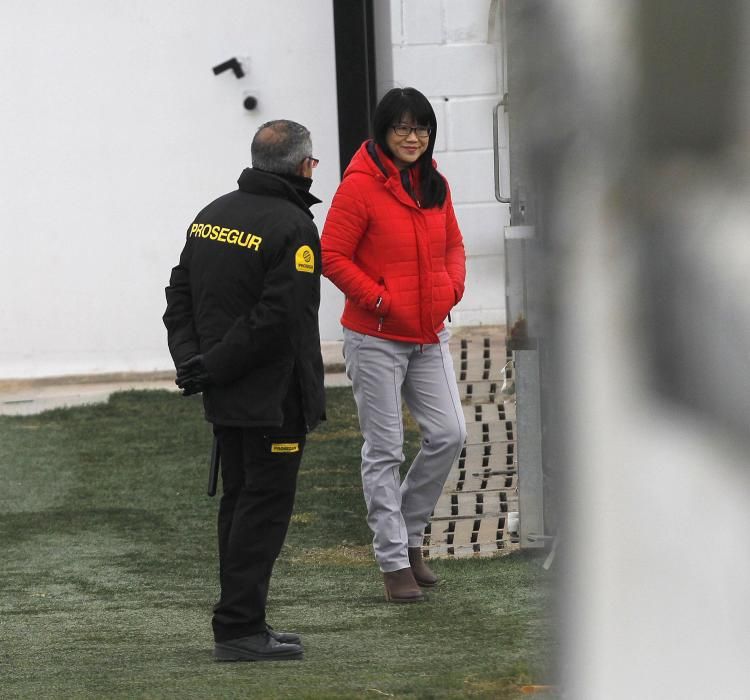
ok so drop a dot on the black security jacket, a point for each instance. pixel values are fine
(245, 295)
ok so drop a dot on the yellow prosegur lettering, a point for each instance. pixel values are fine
(225, 235)
(285, 447)
(304, 260)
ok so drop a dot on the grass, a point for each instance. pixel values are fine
(109, 574)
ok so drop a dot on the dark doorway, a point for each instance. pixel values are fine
(355, 73)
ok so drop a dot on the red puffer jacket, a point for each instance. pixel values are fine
(378, 244)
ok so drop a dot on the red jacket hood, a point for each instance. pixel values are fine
(371, 160)
(364, 161)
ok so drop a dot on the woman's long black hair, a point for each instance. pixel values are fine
(394, 106)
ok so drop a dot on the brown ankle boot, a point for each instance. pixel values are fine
(400, 587)
(422, 573)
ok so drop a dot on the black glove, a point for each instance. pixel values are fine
(192, 376)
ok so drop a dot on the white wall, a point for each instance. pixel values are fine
(446, 49)
(114, 132)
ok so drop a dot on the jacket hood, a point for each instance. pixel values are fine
(291, 187)
(371, 160)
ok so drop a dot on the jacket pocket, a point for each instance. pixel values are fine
(443, 298)
(403, 313)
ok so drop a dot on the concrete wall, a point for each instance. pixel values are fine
(450, 50)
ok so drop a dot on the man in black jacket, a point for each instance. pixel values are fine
(242, 327)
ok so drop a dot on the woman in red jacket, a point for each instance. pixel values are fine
(391, 243)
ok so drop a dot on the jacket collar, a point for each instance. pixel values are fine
(401, 183)
(290, 187)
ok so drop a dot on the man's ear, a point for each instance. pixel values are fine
(304, 169)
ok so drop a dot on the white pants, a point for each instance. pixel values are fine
(382, 372)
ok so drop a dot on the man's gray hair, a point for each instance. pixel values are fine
(279, 146)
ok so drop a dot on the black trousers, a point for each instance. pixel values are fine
(259, 469)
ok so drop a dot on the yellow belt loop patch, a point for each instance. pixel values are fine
(304, 259)
(284, 447)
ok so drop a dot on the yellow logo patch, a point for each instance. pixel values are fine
(304, 259)
(284, 447)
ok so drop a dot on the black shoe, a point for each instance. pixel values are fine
(284, 637)
(257, 647)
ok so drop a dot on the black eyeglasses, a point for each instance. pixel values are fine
(313, 161)
(422, 132)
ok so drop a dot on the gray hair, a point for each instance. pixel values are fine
(279, 146)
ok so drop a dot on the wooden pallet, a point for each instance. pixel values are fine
(471, 517)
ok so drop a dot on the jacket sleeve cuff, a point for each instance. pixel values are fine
(218, 365)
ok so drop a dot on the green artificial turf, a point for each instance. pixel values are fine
(109, 564)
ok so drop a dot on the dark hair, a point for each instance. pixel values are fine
(280, 146)
(395, 105)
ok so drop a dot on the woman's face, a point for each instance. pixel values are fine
(408, 148)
